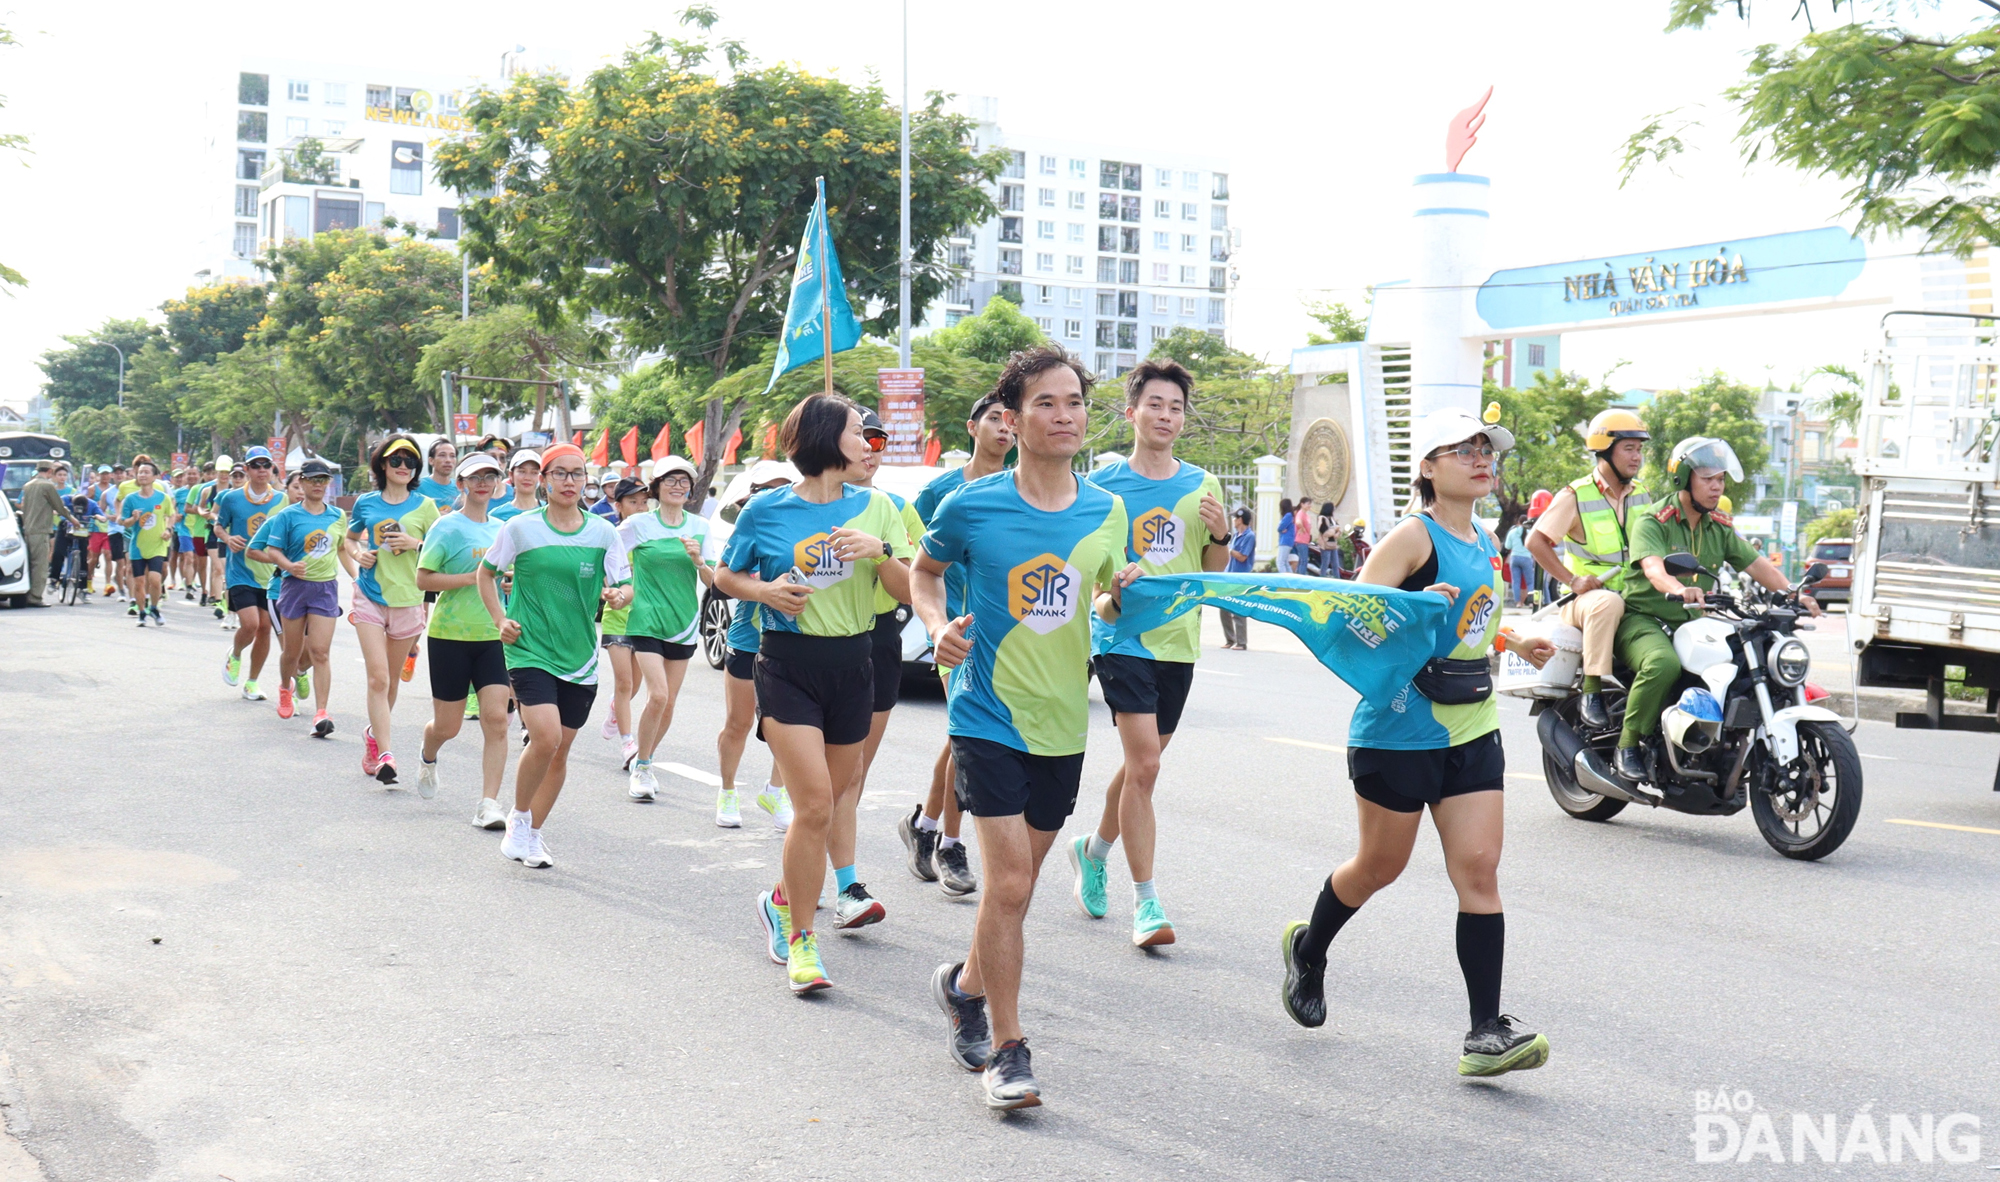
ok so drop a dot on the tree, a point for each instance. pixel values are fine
(1912, 121)
(1341, 324)
(98, 435)
(1716, 407)
(1841, 404)
(85, 373)
(511, 341)
(1837, 524)
(1241, 408)
(236, 397)
(308, 164)
(214, 319)
(1549, 450)
(671, 195)
(11, 142)
(999, 331)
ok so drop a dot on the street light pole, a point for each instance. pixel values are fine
(121, 371)
(903, 263)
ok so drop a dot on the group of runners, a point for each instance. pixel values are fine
(520, 594)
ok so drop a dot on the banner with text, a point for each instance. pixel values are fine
(902, 411)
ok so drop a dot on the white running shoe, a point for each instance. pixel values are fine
(251, 693)
(520, 837)
(642, 785)
(489, 815)
(538, 854)
(728, 814)
(778, 803)
(427, 778)
(611, 727)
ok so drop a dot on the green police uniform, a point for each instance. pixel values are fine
(1645, 635)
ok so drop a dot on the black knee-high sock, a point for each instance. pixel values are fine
(1482, 945)
(1329, 913)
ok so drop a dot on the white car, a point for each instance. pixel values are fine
(13, 557)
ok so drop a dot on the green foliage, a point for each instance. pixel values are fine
(214, 319)
(98, 434)
(11, 142)
(1840, 406)
(1548, 448)
(1341, 323)
(511, 341)
(1241, 407)
(237, 396)
(308, 164)
(1837, 524)
(1716, 407)
(85, 371)
(998, 331)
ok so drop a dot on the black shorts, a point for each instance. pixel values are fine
(456, 664)
(888, 637)
(659, 648)
(539, 687)
(117, 547)
(1141, 685)
(149, 566)
(995, 780)
(741, 666)
(1406, 781)
(242, 598)
(818, 681)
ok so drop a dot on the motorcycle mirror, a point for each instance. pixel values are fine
(1682, 565)
(1814, 574)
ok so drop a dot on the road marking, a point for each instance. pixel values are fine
(1303, 743)
(1942, 825)
(1524, 776)
(1218, 673)
(692, 773)
(1871, 755)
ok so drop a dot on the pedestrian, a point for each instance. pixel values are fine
(1242, 553)
(668, 574)
(1435, 744)
(811, 556)
(1302, 538)
(385, 532)
(464, 644)
(239, 514)
(1327, 532)
(620, 724)
(302, 541)
(1520, 563)
(739, 692)
(1288, 523)
(41, 507)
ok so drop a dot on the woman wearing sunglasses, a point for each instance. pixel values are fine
(664, 626)
(385, 533)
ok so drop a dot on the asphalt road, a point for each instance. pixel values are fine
(226, 954)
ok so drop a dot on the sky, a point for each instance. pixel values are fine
(1324, 111)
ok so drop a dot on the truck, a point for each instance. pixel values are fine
(1926, 555)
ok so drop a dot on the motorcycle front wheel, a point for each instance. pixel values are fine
(1572, 797)
(1811, 815)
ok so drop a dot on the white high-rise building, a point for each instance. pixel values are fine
(1108, 250)
(307, 148)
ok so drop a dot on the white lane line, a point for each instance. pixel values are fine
(692, 773)
(1303, 743)
(1942, 825)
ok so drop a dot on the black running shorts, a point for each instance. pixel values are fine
(1406, 781)
(741, 666)
(888, 639)
(995, 780)
(1141, 685)
(241, 598)
(818, 681)
(539, 687)
(117, 546)
(457, 664)
(659, 648)
(149, 566)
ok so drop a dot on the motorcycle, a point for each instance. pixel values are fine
(1744, 730)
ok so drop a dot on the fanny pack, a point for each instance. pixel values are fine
(1450, 682)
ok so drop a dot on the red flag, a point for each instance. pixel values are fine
(628, 446)
(770, 440)
(932, 451)
(663, 441)
(729, 453)
(693, 441)
(578, 441)
(601, 454)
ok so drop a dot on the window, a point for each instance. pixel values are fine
(1162, 240)
(1045, 230)
(1107, 238)
(449, 101)
(1128, 240)
(332, 213)
(249, 164)
(1218, 217)
(1128, 270)
(1162, 273)
(253, 90)
(1538, 355)
(406, 98)
(1010, 262)
(1107, 206)
(336, 94)
(1128, 209)
(253, 127)
(953, 317)
(1128, 305)
(335, 127)
(1078, 200)
(1107, 303)
(1079, 169)
(298, 217)
(1215, 311)
(1107, 333)
(1010, 229)
(1047, 324)
(1188, 305)
(244, 245)
(1221, 190)
(1045, 263)
(246, 201)
(1191, 181)
(1107, 270)
(1013, 197)
(1073, 264)
(1134, 177)
(1159, 332)
(961, 293)
(1107, 174)
(372, 213)
(1103, 364)
(1009, 290)
(1046, 198)
(447, 223)
(1017, 164)
(1076, 232)
(295, 127)
(1125, 362)
(1187, 243)
(1164, 178)
(1076, 297)
(958, 255)
(1218, 248)
(378, 96)
(1044, 294)
(1190, 212)
(298, 92)
(1162, 305)
(1163, 209)
(1073, 329)
(406, 167)
(1187, 276)
(1128, 336)
(1218, 278)
(1047, 166)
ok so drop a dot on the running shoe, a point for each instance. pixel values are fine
(954, 870)
(777, 921)
(489, 814)
(302, 684)
(642, 784)
(322, 725)
(141, 615)
(410, 665)
(1089, 891)
(427, 778)
(856, 908)
(251, 693)
(1009, 1081)
(385, 771)
(920, 843)
(135, 610)
(803, 965)
(219, 612)
(728, 814)
(1494, 1047)
(778, 803)
(538, 852)
(967, 1038)
(187, 593)
(232, 668)
(371, 755)
(629, 750)
(157, 621)
(610, 728)
(284, 702)
(1304, 994)
(1150, 926)
(518, 840)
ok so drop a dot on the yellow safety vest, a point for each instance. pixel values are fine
(1603, 553)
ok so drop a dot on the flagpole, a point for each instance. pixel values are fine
(903, 267)
(825, 288)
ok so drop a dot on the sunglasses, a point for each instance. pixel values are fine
(264, 465)
(402, 460)
(877, 443)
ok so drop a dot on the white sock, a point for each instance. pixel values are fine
(624, 738)
(927, 824)
(516, 815)
(945, 843)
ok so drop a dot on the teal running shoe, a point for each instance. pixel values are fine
(777, 921)
(1150, 926)
(1089, 879)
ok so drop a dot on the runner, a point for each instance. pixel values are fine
(437, 483)
(201, 507)
(303, 541)
(739, 692)
(524, 473)
(630, 500)
(239, 514)
(465, 648)
(664, 547)
(385, 531)
(1178, 526)
(147, 513)
(182, 560)
(811, 556)
(1433, 744)
(931, 830)
(122, 546)
(1034, 543)
(565, 562)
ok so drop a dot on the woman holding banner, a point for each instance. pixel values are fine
(1435, 743)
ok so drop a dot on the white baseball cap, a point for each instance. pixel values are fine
(1444, 428)
(478, 461)
(526, 455)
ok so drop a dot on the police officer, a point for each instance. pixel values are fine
(1588, 520)
(1656, 603)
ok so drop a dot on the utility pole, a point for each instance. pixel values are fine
(903, 258)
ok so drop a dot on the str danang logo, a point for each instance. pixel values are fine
(816, 560)
(1157, 536)
(1042, 593)
(318, 544)
(1478, 613)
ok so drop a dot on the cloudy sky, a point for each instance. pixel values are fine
(1324, 111)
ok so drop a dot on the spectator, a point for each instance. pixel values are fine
(1287, 537)
(1302, 536)
(1520, 563)
(1242, 551)
(1327, 534)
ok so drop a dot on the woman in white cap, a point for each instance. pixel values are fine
(667, 577)
(629, 498)
(1435, 744)
(524, 475)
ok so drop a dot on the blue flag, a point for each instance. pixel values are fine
(1373, 638)
(817, 272)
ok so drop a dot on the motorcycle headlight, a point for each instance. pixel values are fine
(1789, 662)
